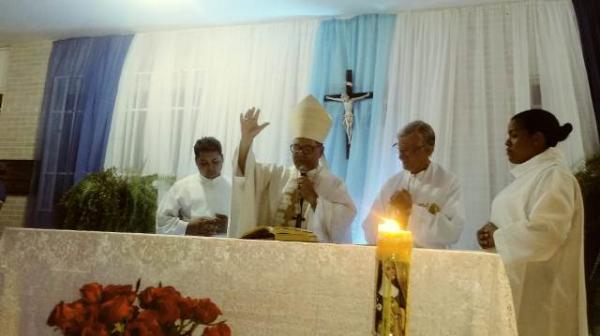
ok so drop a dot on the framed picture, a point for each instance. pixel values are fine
(391, 295)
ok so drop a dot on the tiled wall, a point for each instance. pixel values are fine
(20, 115)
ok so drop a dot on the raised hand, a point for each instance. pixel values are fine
(250, 129)
(249, 124)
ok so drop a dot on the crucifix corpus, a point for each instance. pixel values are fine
(348, 98)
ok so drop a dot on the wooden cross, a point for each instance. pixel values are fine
(348, 98)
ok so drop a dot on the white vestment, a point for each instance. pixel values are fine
(431, 186)
(190, 198)
(540, 239)
(260, 196)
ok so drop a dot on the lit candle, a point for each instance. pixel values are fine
(394, 248)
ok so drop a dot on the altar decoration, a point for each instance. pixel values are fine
(160, 311)
(394, 249)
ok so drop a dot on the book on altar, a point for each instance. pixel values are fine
(281, 233)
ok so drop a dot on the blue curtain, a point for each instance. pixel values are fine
(361, 44)
(81, 87)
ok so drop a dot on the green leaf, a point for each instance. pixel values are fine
(106, 201)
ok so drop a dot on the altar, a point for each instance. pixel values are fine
(262, 287)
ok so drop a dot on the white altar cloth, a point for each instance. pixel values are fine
(262, 287)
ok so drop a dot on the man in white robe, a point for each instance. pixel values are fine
(198, 204)
(424, 194)
(305, 195)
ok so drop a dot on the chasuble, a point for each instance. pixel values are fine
(266, 195)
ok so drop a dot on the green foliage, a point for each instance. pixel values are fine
(589, 177)
(589, 180)
(105, 201)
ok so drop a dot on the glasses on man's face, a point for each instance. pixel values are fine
(407, 151)
(304, 149)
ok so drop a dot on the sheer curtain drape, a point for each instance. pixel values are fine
(179, 86)
(466, 71)
(79, 97)
(361, 44)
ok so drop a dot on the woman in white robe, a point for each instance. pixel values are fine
(536, 227)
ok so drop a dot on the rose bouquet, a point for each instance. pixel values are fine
(112, 310)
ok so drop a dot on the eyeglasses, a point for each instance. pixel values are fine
(407, 151)
(304, 149)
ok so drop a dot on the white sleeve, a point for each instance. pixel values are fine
(442, 228)
(167, 215)
(247, 192)
(373, 219)
(335, 211)
(549, 222)
(343, 211)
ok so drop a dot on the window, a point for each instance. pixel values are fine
(63, 125)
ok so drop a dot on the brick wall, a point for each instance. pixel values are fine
(20, 116)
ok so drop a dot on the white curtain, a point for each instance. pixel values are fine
(179, 86)
(466, 71)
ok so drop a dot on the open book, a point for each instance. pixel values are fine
(282, 233)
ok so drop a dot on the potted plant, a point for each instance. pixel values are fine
(106, 201)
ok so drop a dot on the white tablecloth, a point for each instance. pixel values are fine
(262, 287)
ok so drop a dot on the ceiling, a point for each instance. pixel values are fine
(23, 20)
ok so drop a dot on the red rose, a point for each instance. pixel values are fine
(149, 296)
(220, 329)
(58, 314)
(92, 292)
(165, 300)
(93, 312)
(187, 306)
(146, 297)
(206, 311)
(168, 311)
(68, 317)
(145, 324)
(94, 329)
(116, 310)
(112, 291)
(169, 293)
(100, 308)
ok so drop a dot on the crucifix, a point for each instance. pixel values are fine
(348, 98)
(299, 218)
(291, 211)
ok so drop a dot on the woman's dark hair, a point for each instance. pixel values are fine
(538, 120)
(207, 144)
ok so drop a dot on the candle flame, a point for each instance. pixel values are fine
(390, 226)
